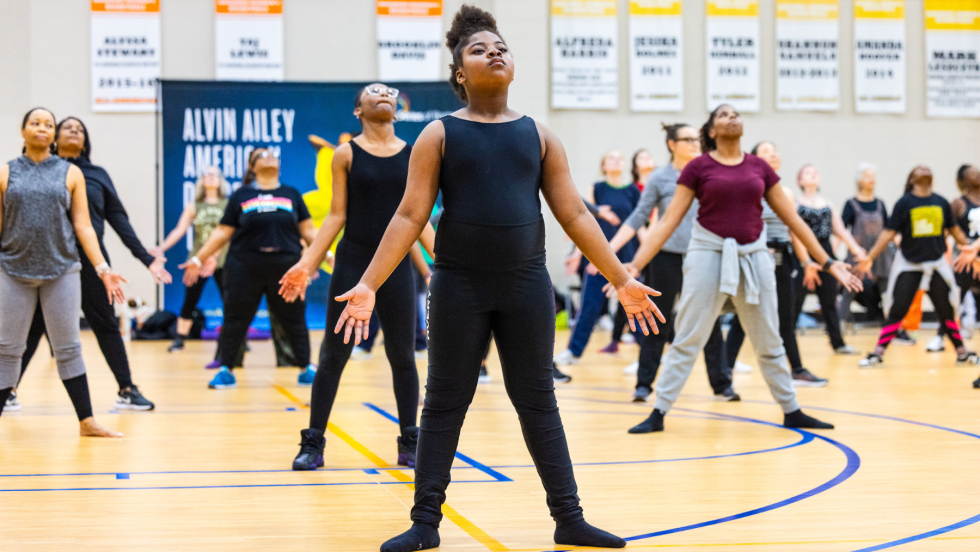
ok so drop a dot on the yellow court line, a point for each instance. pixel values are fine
(466, 525)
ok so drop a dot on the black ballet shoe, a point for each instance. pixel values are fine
(652, 424)
(421, 536)
(581, 533)
(797, 419)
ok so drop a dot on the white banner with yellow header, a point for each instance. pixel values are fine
(952, 58)
(879, 56)
(584, 59)
(732, 67)
(656, 55)
(125, 54)
(807, 55)
(409, 39)
(248, 40)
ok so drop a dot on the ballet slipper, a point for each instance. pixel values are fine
(90, 428)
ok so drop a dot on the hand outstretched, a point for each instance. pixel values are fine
(638, 306)
(293, 283)
(357, 314)
(842, 271)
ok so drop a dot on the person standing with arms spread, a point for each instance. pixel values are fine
(43, 209)
(369, 176)
(491, 164)
(728, 261)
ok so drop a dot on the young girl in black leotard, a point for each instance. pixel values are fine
(369, 175)
(490, 164)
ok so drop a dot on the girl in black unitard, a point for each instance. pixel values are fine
(490, 164)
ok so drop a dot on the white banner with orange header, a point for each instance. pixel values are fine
(409, 39)
(732, 66)
(952, 58)
(656, 55)
(584, 56)
(879, 56)
(248, 40)
(807, 55)
(125, 54)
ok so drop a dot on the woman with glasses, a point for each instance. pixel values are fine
(369, 176)
(204, 215)
(265, 223)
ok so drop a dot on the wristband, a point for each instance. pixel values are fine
(103, 269)
(196, 261)
(826, 266)
(329, 254)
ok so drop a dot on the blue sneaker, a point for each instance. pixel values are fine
(306, 376)
(223, 380)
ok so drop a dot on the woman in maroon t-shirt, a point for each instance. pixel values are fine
(728, 261)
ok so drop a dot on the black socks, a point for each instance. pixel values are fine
(581, 533)
(77, 388)
(797, 419)
(421, 536)
(654, 423)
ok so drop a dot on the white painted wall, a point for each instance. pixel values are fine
(44, 60)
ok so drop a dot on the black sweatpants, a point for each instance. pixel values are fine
(192, 294)
(665, 273)
(906, 286)
(517, 307)
(100, 316)
(397, 311)
(787, 264)
(246, 281)
(827, 294)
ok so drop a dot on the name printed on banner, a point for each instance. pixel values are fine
(207, 128)
(732, 72)
(125, 55)
(807, 55)
(656, 57)
(952, 64)
(879, 56)
(584, 60)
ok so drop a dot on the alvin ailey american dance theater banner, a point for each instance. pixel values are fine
(204, 123)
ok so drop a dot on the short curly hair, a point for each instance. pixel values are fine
(468, 21)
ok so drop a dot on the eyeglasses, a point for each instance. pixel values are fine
(267, 153)
(688, 140)
(378, 90)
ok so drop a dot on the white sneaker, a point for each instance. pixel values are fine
(628, 339)
(741, 367)
(605, 323)
(566, 358)
(12, 404)
(358, 353)
(936, 344)
(422, 355)
(632, 369)
(966, 334)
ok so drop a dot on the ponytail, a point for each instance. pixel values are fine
(707, 142)
(671, 131)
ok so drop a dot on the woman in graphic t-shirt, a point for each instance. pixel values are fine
(922, 218)
(265, 223)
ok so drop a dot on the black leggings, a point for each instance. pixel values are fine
(967, 284)
(246, 281)
(665, 273)
(906, 287)
(100, 316)
(827, 294)
(396, 308)
(192, 294)
(517, 307)
(786, 300)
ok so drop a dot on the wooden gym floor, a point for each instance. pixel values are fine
(209, 470)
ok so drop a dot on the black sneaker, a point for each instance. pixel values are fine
(558, 375)
(968, 357)
(484, 376)
(873, 360)
(976, 383)
(902, 337)
(642, 394)
(132, 399)
(728, 395)
(407, 444)
(310, 455)
(804, 378)
(177, 345)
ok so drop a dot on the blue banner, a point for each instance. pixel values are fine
(209, 123)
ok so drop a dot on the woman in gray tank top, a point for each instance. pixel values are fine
(43, 207)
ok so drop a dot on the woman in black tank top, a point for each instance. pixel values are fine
(490, 165)
(369, 175)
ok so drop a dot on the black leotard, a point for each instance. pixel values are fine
(375, 186)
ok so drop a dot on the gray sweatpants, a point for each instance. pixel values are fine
(61, 301)
(700, 304)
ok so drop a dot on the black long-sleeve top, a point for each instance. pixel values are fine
(104, 206)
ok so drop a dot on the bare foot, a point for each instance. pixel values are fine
(90, 428)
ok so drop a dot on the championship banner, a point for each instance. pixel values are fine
(248, 40)
(879, 56)
(125, 54)
(208, 123)
(656, 55)
(952, 52)
(409, 39)
(584, 57)
(807, 55)
(732, 68)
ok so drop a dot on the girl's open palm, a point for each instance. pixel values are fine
(639, 308)
(357, 314)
